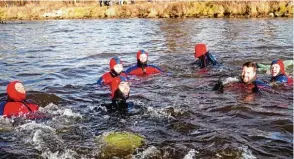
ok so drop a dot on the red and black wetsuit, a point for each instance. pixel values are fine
(16, 104)
(141, 69)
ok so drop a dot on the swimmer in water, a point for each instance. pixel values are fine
(116, 69)
(278, 73)
(120, 90)
(204, 57)
(16, 103)
(247, 78)
(142, 68)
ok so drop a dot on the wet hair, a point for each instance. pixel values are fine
(250, 64)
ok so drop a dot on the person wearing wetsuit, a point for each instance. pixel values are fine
(278, 72)
(248, 78)
(16, 103)
(204, 57)
(120, 91)
(116, 69)
(142, 68)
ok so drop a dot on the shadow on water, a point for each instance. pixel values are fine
(181, 117)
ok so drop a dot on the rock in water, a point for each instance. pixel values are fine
(118, 144)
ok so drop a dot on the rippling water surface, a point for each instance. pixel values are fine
(60, 62)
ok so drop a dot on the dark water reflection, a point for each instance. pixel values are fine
(62, 60)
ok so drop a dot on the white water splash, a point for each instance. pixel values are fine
(164, 113)
(157, 113)
(37, 140)
(150, 152)
(56, 110)
(70, 113)
(246, 153)
(37, 134)
(45, 139)
(191, 154)
(67, 154)
(6, 124)
(33, 125)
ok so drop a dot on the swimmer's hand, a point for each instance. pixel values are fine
(219, 87)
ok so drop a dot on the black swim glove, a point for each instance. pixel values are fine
(219, 86)
(255, 89)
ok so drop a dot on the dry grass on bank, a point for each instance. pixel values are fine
(68, 10)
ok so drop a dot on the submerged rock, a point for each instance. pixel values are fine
(43, 99)
(118, 144)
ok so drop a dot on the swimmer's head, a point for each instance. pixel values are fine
(115, 65)
(142, 56)
(200, 49)
(248, 72)
(277, 68)
(120, 88)
(16, 91)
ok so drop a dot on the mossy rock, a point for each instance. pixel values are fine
(118, 144)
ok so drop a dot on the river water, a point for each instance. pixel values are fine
(60, 61)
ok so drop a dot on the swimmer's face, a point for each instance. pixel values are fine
(248, 73)
(124, 87)
(20, 88)
(275, 70)
(118, 68)
(143, 58)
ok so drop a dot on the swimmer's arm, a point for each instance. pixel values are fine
(156, 68)
(130, 69)
(100, 81)
(212, 59)
(197, 62)
(230, 80)
(223, 82)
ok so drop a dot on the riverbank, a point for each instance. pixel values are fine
(92, 10)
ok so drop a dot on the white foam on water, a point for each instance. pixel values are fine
(156, 113)
(36, 134)
(33, 125)
(37, 140)
(44, 138)
(246, 153)
(106, 117)
(6, 124)
(56, 110)
(50, 106)
(67, 154)
(150, 152)
(162, 113)
(70, 113)
(191, 154)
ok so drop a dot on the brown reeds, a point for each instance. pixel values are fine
(39, 10)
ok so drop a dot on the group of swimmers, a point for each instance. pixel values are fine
(16, 103)
(117, 79)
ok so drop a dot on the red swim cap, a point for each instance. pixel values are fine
(281, 64)
(140, 52)
(200, 49)
(113, 62)
(13, 93)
